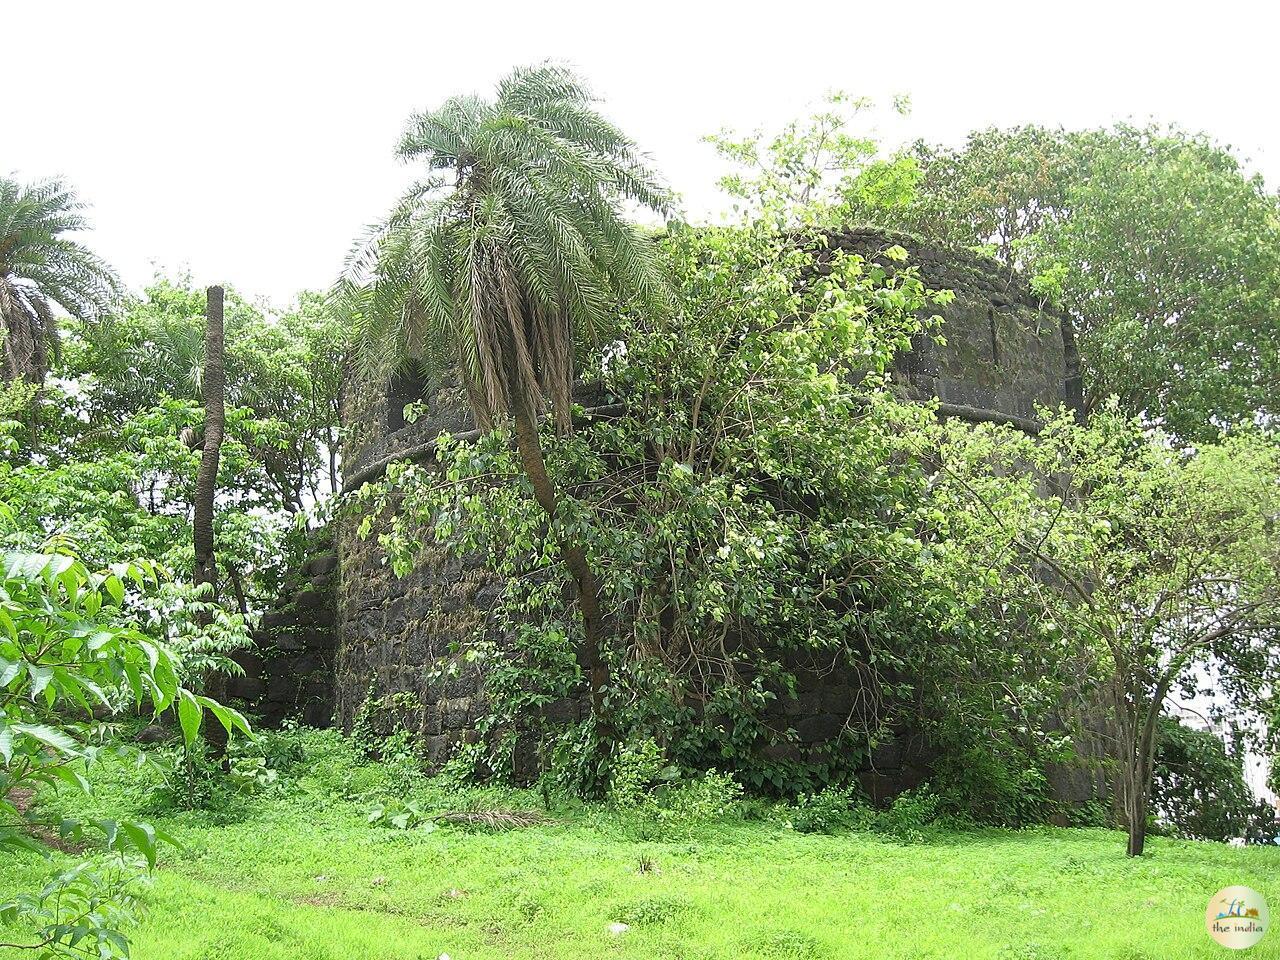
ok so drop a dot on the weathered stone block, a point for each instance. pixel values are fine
(565, 710)
(438, 748)
(289, 642)
(781, 752)
(321, 564)
(819, 729)
(246, 687)
(454, 714)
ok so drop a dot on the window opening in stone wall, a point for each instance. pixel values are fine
(407, 385)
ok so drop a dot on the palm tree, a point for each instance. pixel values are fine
(512, 251)
(213, 388)
(43, 271)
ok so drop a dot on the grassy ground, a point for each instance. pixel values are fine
(302, 876)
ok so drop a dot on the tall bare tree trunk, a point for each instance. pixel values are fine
(213, 389)
(591, 655)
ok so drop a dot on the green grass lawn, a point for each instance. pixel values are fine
(302, 878)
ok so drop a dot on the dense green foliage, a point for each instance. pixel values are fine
(112, 468)
(1158, 566)
(1162, 248)
(755, 514)
(284, 376)
(688, 497)
(819, 171)
(73, 650)
(1199, 790)
(102, 478)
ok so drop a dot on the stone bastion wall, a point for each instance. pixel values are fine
(1005, 353)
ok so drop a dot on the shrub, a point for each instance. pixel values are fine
(378, 728)
(282, 749)
(400, 815)
(830, 810)
(910, 815)
(637, 770)
(646, 786)
(1091, 813)
(651, 911)
(994, 783)
(1199, 791)
(708, 797)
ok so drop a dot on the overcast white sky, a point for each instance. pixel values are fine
(250, 141)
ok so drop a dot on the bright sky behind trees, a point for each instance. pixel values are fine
(250, 141)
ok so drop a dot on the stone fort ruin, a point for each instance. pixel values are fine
(351, 629)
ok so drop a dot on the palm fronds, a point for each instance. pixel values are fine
(43, 272)
(514, 249)
(494, 819)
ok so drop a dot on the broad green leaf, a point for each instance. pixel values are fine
(7, 672)
(189, 716)
(230, 718)
(49, 736)
(40, 677)
(70, 777)
(143, 838)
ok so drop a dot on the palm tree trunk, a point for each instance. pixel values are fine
(591, 654)
(215, 424)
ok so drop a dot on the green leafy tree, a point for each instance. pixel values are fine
(44, 271)
(510, 254)
(819, 171)
(1160, 565)
(999, 190)
(72, 652)
(1164, 251)
(1199, 789)
(130, 492)
(122, 432)
(285, 370)
(1170, 260)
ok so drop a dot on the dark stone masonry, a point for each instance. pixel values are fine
(1005, 353)
(290, 671)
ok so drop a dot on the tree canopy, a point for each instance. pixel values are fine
(523, 255)
(1159, 244)
(44, 273)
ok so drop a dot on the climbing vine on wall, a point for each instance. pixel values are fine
(744, 499)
